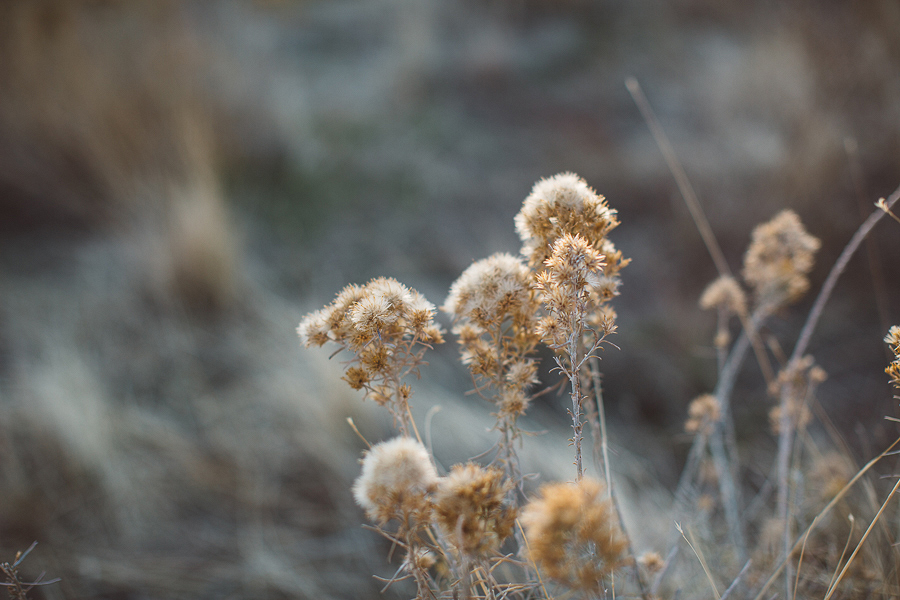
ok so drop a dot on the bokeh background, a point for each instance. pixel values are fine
(181, 181)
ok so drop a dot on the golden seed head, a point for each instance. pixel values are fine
(652, 562)
(780, 256)
(490, 291)
(470, 508)
(396, 477)
(893, 339)
(572, 260)
(703, 413)
(313, 329)
(557, 205)
(725, 292)
(573, 533)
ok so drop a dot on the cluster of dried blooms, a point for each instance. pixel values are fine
(387, 327)
(495, 310)
(780, 256)
(892, 339)
(573, 534)
(795, 385)
(502, 308)
(704, 412)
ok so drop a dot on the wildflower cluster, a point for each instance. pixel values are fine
(795, 386)
(452, 527)
(457, 528)
(397, 477)
(471, 511)
(573, 534)
(495, 306)
(779, 259)
(704, 412)
(387, 326)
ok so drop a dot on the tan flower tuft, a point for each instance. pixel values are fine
(652, 562)
(780, 256)
(703, 413)
(573, 534)
(396, 477)
(557, 205)
(470, 509)
(892, 339)
(725, 292)
(795, 385)
(387, 326)
(490, 291)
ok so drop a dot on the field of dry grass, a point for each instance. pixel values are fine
(180, 182)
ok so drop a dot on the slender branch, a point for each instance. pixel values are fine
(849, 250)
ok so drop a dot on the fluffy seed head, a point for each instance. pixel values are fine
(469, 507)
(780, 256)
(725, 292)
(396, 477)
(703, 412)
(573, 533)
(491, 290)
(561, 204)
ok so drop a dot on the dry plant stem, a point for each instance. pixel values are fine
(598, 396)
(722, 393)
(681, 178)
(837, 498)
(728, 491)
(693, 204)
(787, 426)
(576, 396)
(862, 541)
(816, 312)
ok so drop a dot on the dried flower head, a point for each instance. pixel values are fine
(491, 291)
(470, 509)
(795, 385)
(703, 413)
(573, 533)
(780, 256)
(892, 339)
(388, 327)
(557, 205)
(397, 475)
(495, 307)
(564, 287)
(652, 562)
(726, 293)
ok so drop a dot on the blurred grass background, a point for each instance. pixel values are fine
(181, 181)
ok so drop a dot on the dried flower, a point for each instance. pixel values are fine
(495, 307)
(725, 292)
(388, 327)
(573, 533)
(470, 509)
(558, 205)
(795, 385)
(652, 562)
(703, 412)
(892, 339)
(564, 287)
(396, 477)
(780, 255)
